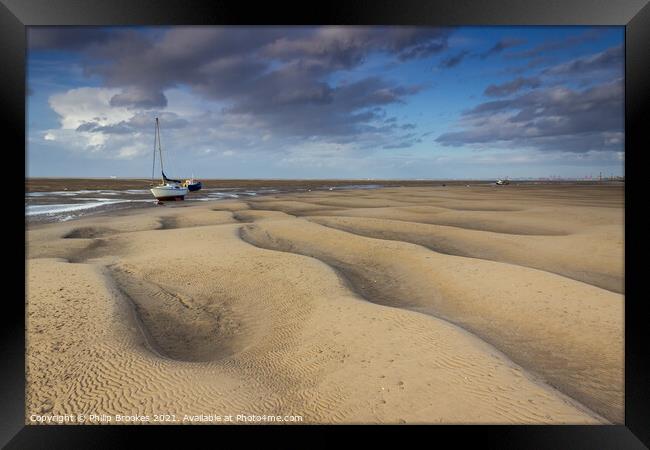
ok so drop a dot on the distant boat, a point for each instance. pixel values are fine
(169, 189)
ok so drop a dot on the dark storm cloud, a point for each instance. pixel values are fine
(557, 118)
(345, 47)
(280, 76)
(335, 112)
(139, 98)
(453, 60)
(502, 45)
(505, 89)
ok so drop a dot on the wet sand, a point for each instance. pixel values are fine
(432, 304)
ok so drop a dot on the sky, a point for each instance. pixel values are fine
(326, 102)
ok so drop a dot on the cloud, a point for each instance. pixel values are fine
(556, 118)
(90, 123)
(340, 113)
(88, 104)
(502, 45)
(65, 38)
(558, 44)
(322, 155)
(453, 60)
(230, 62)
(346, 46)
(92, 128)
(133, 150)
(531, 64)
(403, 144)
(138, 97)
(501, 90)
(308, 97)
(609, 59)
(140, 122)
(277, 78)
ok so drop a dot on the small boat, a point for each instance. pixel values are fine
(192, 184)
(169, 189)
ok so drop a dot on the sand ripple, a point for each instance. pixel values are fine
(353, 320)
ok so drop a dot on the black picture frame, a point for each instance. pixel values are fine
(15, 15)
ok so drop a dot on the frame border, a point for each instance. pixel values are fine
(16, 15)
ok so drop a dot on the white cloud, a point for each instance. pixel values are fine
(76, 107)
(191, 127)
(132, 151)
(88, 104)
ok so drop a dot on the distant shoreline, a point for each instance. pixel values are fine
(52, 183)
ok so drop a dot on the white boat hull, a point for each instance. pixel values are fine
(169, 192)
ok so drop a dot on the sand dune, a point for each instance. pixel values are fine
(528, 223)
(596, 257)
(244, 308)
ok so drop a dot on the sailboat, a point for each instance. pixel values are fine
(169, 189)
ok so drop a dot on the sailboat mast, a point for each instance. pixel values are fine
(162, 169)
(153, 166)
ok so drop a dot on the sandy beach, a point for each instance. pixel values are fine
(421, 304)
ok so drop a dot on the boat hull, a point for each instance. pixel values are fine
(194, 187)
(179, 198)
(169, 192)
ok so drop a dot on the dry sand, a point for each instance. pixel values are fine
(396, 305)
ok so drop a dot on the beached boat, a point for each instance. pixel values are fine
(192, 184)
(169, 189)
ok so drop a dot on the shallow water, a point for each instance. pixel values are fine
(61, 204)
